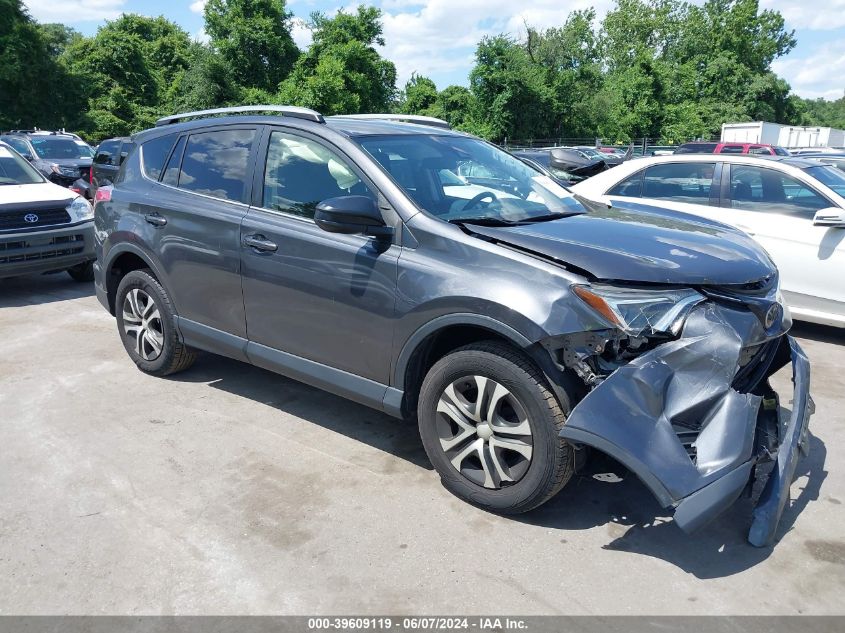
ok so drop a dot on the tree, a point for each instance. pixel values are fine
(511, 91)
(342, 72)
(29, 74)
(208, 82)
(419, 96)
(253, 37)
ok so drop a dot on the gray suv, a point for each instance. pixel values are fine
(520, 324)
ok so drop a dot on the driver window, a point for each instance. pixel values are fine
(300, 173)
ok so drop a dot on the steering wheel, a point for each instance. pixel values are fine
(475, 200)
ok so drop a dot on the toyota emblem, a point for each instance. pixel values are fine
(31, 218)
(772, 315)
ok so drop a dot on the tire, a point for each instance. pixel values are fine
(82, 272)
(522, 401)
(146, 322)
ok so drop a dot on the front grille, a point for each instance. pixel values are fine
(25, 251)
(13, 220)
(687, 437)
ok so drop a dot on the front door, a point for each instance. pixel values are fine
(313, 295)
(778, 210)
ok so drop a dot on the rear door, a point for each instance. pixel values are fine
(192, 220)
(325, 297)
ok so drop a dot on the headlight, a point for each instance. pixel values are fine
(80, 210)
(635, 310)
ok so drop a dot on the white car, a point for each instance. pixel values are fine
(794, 207)
(43, 227)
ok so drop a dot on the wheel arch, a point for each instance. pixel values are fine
(122, 260)
(441, 335)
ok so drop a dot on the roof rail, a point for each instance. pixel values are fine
(292, 111)
(403, 118)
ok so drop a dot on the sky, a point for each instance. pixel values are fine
(437, 38)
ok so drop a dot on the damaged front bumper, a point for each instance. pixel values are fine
(694, 416)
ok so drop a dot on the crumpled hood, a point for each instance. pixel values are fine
(641, 243)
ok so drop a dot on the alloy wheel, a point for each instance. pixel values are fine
(484, 431)
(142, 324)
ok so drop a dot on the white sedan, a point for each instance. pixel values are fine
(794, 207)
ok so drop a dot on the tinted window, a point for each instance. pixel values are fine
(767, 190)
(125, 150)
(696, 148)
(765, 151)
(215, 163)
(19, 145)
(631, 187)
(681, 182)
(731, 149)
(171, 173)
(301, 173)
(107, 153)
(154, 153)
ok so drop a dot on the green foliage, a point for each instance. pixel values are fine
(253, 36)
(666, 69)
(342, 72)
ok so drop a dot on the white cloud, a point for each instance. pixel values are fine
(818, 74)
(71, 11)
(440, 36)
(300, 33)
(819, 15)
(198, 6)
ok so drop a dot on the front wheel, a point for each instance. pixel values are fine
(490, 426)
(146, 321)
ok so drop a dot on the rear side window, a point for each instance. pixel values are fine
(154, 153)
(765, 151)
(215, 163)
(679, 182)
(107, 153)
(732, 149)
(631, 187)
(171, 172)
(125, 150)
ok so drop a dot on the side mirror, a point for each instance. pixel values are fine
(832, 217)
(351, 215)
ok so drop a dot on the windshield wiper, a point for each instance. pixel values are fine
(483, 221)
(551, 216)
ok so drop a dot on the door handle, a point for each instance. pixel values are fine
(260, 243)
(155, 219)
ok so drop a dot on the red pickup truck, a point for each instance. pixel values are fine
(714, 147)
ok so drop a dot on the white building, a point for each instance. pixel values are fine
(783, 135)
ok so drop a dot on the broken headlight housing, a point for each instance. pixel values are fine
(638, 310)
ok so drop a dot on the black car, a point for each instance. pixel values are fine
(519, 324)
(62, 158)
(108, 158)
(44, 228)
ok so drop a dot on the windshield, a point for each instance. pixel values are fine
(60, 148)
(459, 178)
(15, 170)
(830, 176)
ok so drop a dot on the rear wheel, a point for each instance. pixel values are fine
(490, 426)
(82, 272)
(146, 321)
